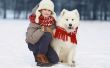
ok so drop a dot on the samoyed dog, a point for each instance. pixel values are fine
(65, 41)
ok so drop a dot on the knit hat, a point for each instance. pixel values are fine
(45, 4)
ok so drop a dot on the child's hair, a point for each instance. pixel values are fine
(46, 9)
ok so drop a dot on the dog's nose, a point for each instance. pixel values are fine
(70, 24)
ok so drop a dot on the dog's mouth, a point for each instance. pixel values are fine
(70, 27)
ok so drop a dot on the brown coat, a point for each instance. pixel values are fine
(34, 33)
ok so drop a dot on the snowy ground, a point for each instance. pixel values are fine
(93, 49)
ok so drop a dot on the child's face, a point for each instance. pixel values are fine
(46, 13)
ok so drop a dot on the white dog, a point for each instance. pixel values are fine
(64, 41)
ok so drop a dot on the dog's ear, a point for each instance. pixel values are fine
(76, 12)
(63, 12)
(78, 17)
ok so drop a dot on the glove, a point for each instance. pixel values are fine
(32, 18)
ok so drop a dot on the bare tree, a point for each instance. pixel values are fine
(4, 8)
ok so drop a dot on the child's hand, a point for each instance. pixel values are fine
(46, 29)
(49, 29)
(43, 29)
(32, 18)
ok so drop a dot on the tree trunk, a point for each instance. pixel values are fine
(4, 8)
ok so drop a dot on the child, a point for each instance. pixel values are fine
(39, 34)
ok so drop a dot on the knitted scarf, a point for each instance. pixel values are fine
(43, 21)
(62, 34)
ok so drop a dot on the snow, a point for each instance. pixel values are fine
(93, 49)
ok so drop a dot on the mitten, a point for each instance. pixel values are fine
(32, 18)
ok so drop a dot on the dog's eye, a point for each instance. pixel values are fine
(66, 19)
(72, 19)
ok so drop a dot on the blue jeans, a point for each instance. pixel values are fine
(43, 47)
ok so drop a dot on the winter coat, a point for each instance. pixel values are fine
(34, 32)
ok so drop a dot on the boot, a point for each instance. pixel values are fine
(42, 61)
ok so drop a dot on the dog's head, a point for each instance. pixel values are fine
(69, 19)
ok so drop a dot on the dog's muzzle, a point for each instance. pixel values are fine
(70, 26)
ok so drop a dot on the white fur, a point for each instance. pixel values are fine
(66, 50)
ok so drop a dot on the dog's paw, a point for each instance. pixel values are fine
(61, 61)
(72, 64)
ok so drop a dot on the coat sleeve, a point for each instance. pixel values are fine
(34, 33)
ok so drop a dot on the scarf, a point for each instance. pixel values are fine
(43, 21)
(62, 34)
(46, 21)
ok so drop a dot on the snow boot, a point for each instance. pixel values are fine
(42, 61)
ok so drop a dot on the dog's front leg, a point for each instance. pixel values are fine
(71, 56)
